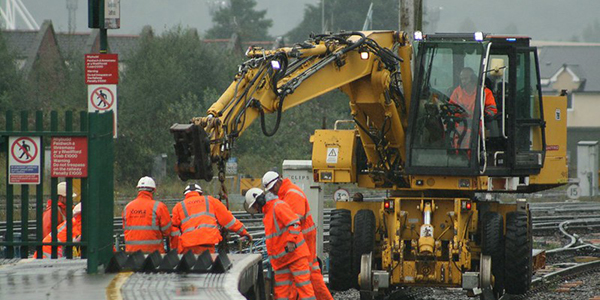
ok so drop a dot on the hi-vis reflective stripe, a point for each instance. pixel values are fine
(282, 283)
(309, 298)
(144, 242)
(283, 253)
(206, 211)
(201, 226)
(303, 283)
(141, 227)
(153, 227)
(241, 230)
(280, 232)
(231, 223)
(154, 209)
(309, 229)
(166, 226)
(175, 233)
(297, 192)
(303, 272)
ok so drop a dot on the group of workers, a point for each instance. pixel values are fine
(195, 225)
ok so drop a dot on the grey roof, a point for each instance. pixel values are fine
(72, 43)
(123, 45)
(583, 60)
(20, 41)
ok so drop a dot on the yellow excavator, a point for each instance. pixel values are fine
(439, 159)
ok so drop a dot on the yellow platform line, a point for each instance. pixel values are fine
(113, 290)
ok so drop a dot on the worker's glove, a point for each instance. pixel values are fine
(246, 236)
(290, 247)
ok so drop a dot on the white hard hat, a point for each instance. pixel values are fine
(77, 209)
(62, 189)
(146, 182)
(269, 180)
(192, 187)
(251, 196)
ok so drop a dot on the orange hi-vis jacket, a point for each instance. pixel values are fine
(47, 217)
(282, 226)
(145, 222)
(61, 237)
(467, 100)
(197, 219)
(296, 199)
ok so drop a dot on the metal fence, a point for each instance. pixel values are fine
(96, 189)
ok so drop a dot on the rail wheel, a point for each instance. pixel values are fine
(518, 267)
(493, 245)
(340, 255)
(364, 240)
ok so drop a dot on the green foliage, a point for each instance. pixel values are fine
(170, 79)
(241, 18)
(12, 84)
(345, 15)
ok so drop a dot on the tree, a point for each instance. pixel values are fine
(169, 79)
(345, 15)
(241, 18)
(12, 84)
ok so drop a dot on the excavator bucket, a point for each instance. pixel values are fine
(192, 148)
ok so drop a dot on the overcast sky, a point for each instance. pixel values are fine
(540, 19)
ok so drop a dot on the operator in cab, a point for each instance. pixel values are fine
(464, 94)
(291, 194)
(286, 246)
(197, 219)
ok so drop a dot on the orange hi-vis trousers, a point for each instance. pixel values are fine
(296, 274)
(321, 290)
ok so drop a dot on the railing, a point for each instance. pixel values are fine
(96, 189)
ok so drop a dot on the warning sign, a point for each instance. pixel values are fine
(103, 98)
(332, 155)
(24, 160)
(101, 69)
(68, 157)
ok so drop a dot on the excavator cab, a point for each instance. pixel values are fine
(457, 129)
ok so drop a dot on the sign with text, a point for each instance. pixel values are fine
(69, 156)
(112, 14)
(101, 69)
(24, 160)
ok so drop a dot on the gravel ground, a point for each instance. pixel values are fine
(581, 288)
(585, 288)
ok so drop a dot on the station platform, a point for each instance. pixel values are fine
(66, 279)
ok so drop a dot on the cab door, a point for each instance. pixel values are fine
(529, 141)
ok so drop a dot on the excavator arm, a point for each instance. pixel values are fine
(372, 67)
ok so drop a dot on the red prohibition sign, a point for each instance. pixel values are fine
(101, 100)
(27, 155)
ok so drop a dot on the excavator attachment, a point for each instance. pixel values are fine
(192, 147)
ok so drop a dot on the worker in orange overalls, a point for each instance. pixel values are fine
(61, 236)
(464, 96)
(296, 199)
(197, 218)
(62, 209)
(286, 247)
(145, 220)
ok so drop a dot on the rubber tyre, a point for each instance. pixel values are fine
(493, 245)
(364, 240)
(518, 268)
(340, 255)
